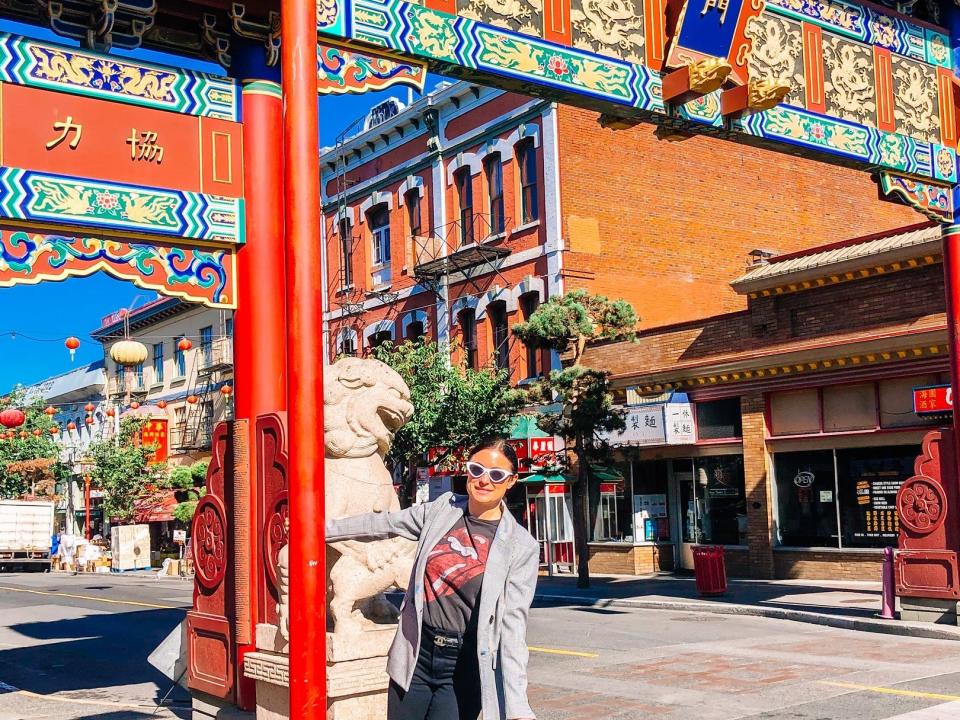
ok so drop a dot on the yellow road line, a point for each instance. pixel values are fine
(554, 651)
(890, 691)
(90, 597)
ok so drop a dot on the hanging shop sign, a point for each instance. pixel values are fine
(154, 433)
(657, 424)
(933, 400)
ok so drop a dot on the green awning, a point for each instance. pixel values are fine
(525, 426)
(604, 473)
(544, 478)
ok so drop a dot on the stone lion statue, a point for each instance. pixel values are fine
(365, 403)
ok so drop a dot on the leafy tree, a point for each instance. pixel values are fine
(123, 471)
(30, 465)
(184, 511)
(453, 407)
(567, 323)
(181, 478)
(199, 472)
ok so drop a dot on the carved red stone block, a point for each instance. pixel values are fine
(211, 668)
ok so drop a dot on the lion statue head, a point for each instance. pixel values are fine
(364, 403)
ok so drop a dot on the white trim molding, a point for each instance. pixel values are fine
(462, 160)
(377, 327)
(344, 213)
(413, 182)
(496, 294)
(344, 334)
(529, 284)
(462, 303)
(524, 131)
(376, 198)
(411, 317)
(500, 145)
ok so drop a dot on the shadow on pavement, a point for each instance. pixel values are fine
(92, 655)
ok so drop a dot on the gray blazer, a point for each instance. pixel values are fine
(509, 581)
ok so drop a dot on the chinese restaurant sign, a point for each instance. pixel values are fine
(154, 433)
(118, 146)
(657, 424)
(933, 400)
(902, 119)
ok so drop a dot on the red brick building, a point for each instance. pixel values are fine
(801, 406)
(456, 216)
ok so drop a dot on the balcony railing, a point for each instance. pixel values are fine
(217, 353)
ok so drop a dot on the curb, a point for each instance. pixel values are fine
(888, 627)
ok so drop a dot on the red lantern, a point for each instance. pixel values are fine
(162, 404)
(38, 432)
(54, 430)
(72, 344)
(89, 407)
(111, 412)
(226, 390)
(89, 421)
(12, 418)
(51, 410)
(71, 426)
(184, 345)
(11, 434)
(192, 399)
(134, 405)
(24, 434)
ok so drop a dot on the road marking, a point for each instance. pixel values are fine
(554, 651)
(90, 597)
(82, 701)
(890, 691)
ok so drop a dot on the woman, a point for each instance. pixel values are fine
(461, 645)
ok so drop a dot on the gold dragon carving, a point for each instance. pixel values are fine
(609, 27)
(777, 54)
(915, 106)
(707, 75)
(520, 15)
(848, 83)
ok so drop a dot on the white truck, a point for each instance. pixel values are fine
(26, 531)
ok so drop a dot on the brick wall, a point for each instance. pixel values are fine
(757, 486)
(813, 565)
(630, 560)
(667, 225)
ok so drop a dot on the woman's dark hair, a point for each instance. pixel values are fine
(501, 446)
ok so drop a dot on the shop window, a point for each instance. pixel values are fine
(497, 313)
(868, 480)
(896, 401)
(650, 518)
(468, 330)
(493, 169)
(795, 413)
(849, 407)
(720, 507)
(719, 419)
(464, 183)
(806, 499)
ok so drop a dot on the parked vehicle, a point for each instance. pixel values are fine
(26, 529)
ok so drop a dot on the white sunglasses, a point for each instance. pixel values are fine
(496, 475)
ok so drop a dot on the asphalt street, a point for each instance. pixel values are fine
(77, 647)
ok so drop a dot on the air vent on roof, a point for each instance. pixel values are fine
(759, 256)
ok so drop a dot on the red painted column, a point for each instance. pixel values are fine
(305, 350)
(86, 507)
(951, 275)
(260, 319)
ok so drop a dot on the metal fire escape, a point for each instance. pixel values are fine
(212, 367)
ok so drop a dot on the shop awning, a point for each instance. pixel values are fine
(525, 426)
(604, 473)
(157, 507)
(545, 478)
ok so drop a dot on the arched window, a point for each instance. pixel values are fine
(527, 163)
(379, 221)
(493, 169)
(468, 330)
(464, 183)
(415, 330)
(379, 338)
(414, 220)
(497, 312)
(528, 306)
(348, 345)
(346, 253)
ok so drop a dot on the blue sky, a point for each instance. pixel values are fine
(36, 319)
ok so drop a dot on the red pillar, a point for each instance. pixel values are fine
(951, 275)
(301, 148)
(260, 319)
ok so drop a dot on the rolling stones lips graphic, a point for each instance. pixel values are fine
(454, 562)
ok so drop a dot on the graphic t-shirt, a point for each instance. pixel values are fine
(454, 573)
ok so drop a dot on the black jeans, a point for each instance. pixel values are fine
(446, 681)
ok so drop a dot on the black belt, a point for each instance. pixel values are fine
(442, 638)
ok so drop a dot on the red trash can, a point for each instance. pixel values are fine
(709, 569)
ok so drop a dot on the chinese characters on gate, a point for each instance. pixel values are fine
(144, 144)
(720, 6)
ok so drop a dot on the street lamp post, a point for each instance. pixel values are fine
(86, 506)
